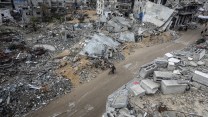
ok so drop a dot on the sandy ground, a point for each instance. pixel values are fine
(88, 100)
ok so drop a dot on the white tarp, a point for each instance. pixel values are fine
(98, 44)
(157, 13)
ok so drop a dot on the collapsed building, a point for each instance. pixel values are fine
(184, 15)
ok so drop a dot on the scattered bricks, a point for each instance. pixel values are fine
(147, 69)
(200, 77)
(172, 87)
(198, 54)
(149, 86)
(171, 66)
(161, 62)
(163, 75)
(137, 90)
(120, 100)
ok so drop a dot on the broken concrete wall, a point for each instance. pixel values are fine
(157, 13)
(100, 7)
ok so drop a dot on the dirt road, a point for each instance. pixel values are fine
(89, 99)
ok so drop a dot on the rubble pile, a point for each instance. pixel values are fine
(27, 76)
(172, 85)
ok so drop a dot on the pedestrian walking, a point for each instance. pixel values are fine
(113, 69)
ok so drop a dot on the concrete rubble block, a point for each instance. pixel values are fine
(120, 100)
(200, 63)
(168, 55)
(201, 77)
(178, 72)
(147, 69)
(172, 87)
(174, 60)
(163, 75)
(127, 37)
(161, 62)
(149, 86)
(198, 54)
(193, 64)
(171, 66)
(137, 90)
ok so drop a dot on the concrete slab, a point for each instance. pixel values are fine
(161, 62)
(163, 75)
(168, 55)
(174, 60)
(137, 90)
(121, 99)
(201, 77)
(149, 86)
(172, 87)
(171, 66)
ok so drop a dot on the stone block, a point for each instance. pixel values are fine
(193, 64)
(171, 66)
(201, 77)
(163, 75)
(198, 54)
(174, 60)
(137, 90)
(147, 69)
(149, 86)
(172, 87)
(168, 55)
(161, 62)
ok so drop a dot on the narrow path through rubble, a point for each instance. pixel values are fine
(89, 100)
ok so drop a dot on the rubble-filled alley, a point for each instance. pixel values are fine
(58, 58)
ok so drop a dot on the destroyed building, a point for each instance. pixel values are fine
(121, 6)
(186, 13)
(7, 4)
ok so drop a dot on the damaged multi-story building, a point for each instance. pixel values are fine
(186, 12)
(121, 6)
